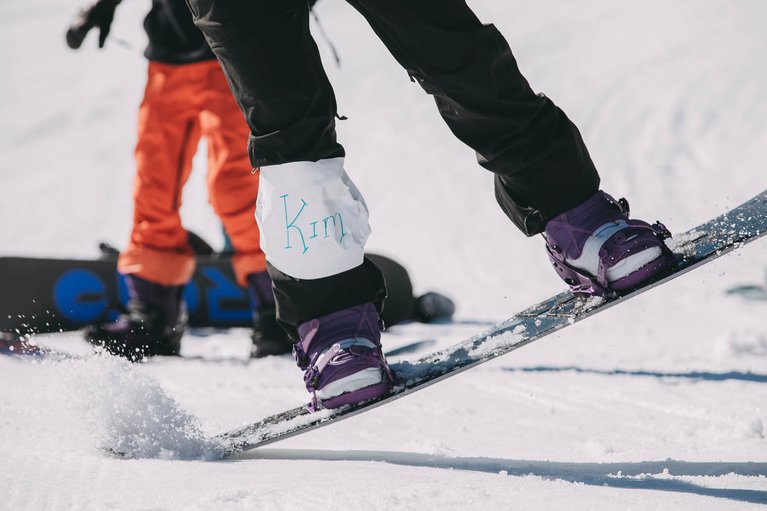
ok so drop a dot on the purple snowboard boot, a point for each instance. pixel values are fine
(341, 356)
(597, 250)
(154, 325)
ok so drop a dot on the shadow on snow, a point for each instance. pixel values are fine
(690, 375)
(644, 475)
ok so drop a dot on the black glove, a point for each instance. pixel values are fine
(99, 15)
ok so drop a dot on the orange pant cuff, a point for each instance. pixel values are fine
(245, 264)
(169, 268)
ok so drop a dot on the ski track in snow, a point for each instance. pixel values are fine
(657, 404)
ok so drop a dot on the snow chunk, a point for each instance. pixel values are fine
(493, 344)
(130, 413)
(683, 243)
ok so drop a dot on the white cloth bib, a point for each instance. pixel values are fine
(313, 220)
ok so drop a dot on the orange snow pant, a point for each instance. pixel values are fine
(183, 103)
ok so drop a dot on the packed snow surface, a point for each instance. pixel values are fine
(660, 403)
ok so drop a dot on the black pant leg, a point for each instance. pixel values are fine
(541, 163)
(300, 300)
(275, 72)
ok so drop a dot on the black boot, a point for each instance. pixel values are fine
(268, 337)
(155, 322)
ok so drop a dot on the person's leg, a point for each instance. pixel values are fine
(541, 164)
(158, 260)
(543, 171)
(312, 218)
(274, 70)
(168, 135)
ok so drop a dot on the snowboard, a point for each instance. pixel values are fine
(691, 249)
(41, 295)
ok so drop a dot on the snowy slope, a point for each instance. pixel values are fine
(657, 404)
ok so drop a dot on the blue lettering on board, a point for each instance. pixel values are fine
(80, 296)
(222, 290)
(192, 297)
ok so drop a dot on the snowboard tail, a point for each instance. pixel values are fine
(691, 249)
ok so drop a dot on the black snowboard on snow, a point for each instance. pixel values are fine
(49, 295)
(39, 295)
(692, 249)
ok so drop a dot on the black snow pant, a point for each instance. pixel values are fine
(540, 162)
